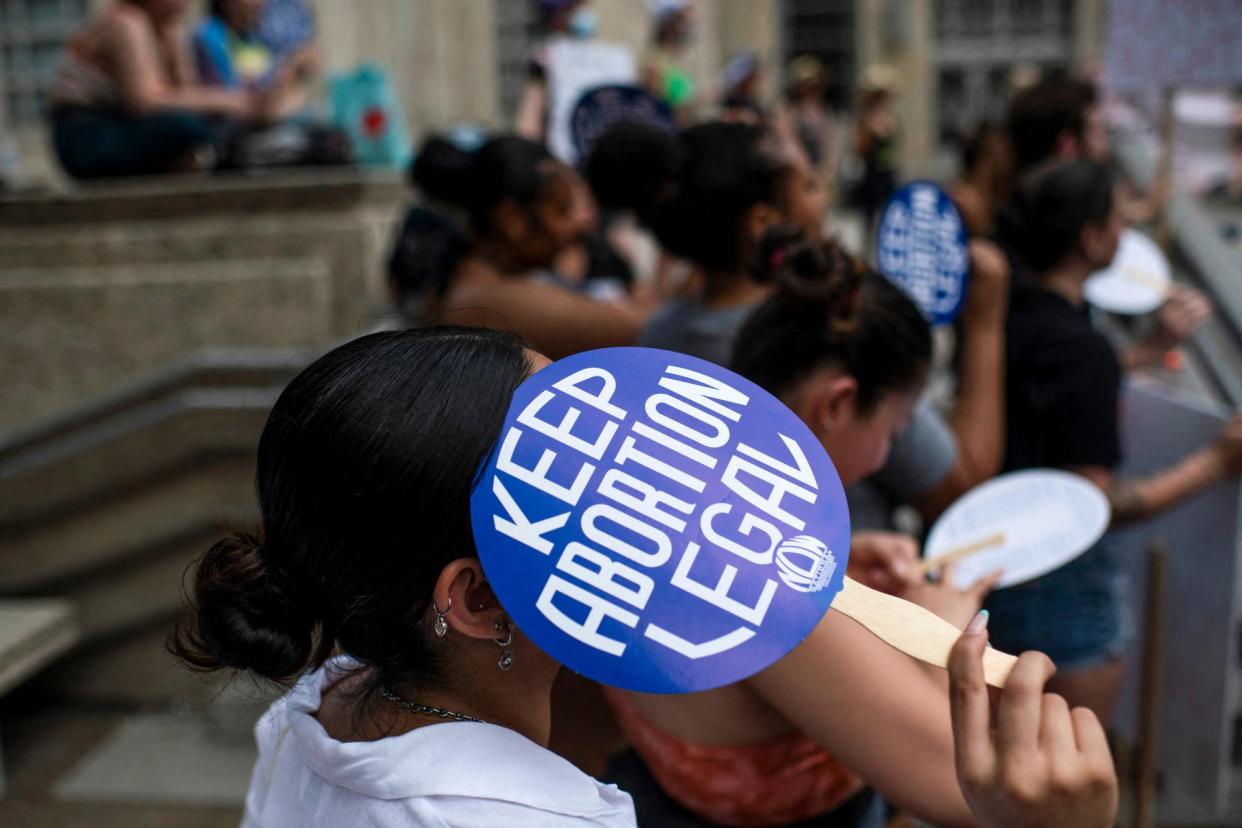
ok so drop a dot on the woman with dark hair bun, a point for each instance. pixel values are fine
(525, 209)
(801, 743)
(418, 701)
(1064, 386)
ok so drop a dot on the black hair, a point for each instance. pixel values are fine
(506, 168)
(974, 143)
(1052, 206)
(829, 309)
(431, 241)
(691, 189)
(439, 168)
(1040, 113)
(365, 470)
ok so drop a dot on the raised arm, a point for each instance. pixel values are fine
(557, 322)
(875, 710)
(978, 418)
(133, 49)
(1136, 500)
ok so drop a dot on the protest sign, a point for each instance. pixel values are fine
(921, 247)
(574, 66)
(658, 523)
(604, 106)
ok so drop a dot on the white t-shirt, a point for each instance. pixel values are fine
(455, 774)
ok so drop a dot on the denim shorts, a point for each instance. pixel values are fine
(1077, 614)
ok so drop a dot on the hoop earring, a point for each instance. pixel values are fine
(441, 625)
(505, 662)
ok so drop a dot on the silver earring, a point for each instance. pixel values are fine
(441, 625)
(505, 662)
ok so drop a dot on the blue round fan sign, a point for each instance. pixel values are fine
(658, 523)
(921, 247)
(604, 106)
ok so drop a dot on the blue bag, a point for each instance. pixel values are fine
(365, 106)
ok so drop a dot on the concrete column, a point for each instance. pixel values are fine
(1090, 22)
(755, 25)
(901, 34)
(439, 54)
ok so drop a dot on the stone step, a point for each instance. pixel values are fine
(33, 632)
(108, 505)
(173, 197)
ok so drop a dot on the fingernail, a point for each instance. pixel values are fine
(978, 624)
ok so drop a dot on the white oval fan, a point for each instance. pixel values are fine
(1027, 523)
(1137, 281)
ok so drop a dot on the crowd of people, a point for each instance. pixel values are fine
(709, 236)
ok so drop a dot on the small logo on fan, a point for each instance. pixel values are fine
(805, 563)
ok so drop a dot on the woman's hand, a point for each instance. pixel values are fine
(957, 606)
(987, 295)
(883, 560)
(1043, 764)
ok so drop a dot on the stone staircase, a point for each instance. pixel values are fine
(107, 506)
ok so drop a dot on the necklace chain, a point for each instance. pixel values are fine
(427, 710)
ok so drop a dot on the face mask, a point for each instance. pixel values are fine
(584, 23)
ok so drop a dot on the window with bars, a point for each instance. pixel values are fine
(32, 33)
(517, 31)
(980, 42)
(825, 29)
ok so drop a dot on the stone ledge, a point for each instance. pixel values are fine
(171, 197)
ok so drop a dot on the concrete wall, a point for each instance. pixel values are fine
(900, 34)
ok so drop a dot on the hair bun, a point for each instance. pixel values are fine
(243, 616)
(820, 274)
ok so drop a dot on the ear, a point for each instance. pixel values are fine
(831, 404)
(511, 221)
(474, 611)
(758, 219)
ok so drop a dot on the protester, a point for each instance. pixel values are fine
(126, 100)
(569, 61)
(1064, 383)
(363, 583)
(1057, 117)
(664, 73)
(743, 90)
(876, 137)
(807, 115)
(985, 179)
(434, 236)
(720, 182)
(523, 211)
(230, 54)
(849, 354)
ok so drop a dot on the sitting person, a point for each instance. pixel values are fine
(231, 54)
(525, 211)
(126, 100)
